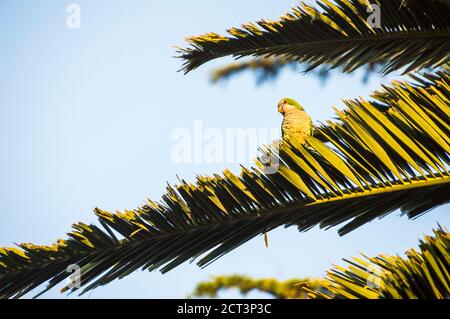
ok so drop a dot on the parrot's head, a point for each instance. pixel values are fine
(288, 104)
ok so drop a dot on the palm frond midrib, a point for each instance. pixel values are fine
(413, 35)
(258, 213)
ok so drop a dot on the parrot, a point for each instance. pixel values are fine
(297, 123)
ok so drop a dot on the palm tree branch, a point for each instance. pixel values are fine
(423, 274)
(266, 69)
(290, 289)
(411, 35)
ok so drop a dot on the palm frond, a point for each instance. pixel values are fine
(265, 69)
(379, 156)
(268, 69)
(290, 289)
(413, 34)
(423, 274)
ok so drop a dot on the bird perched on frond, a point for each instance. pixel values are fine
(297, 124)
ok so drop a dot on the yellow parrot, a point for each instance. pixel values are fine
(297, 124)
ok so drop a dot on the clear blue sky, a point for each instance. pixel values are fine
(86, 118)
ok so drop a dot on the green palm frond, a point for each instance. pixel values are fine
(413, 34)
(423, 274)
(290, 289)
(379, 156)
(267, 69)
(264, 68)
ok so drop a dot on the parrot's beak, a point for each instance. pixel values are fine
(280, 108)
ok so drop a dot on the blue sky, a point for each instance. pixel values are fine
(86, 117)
